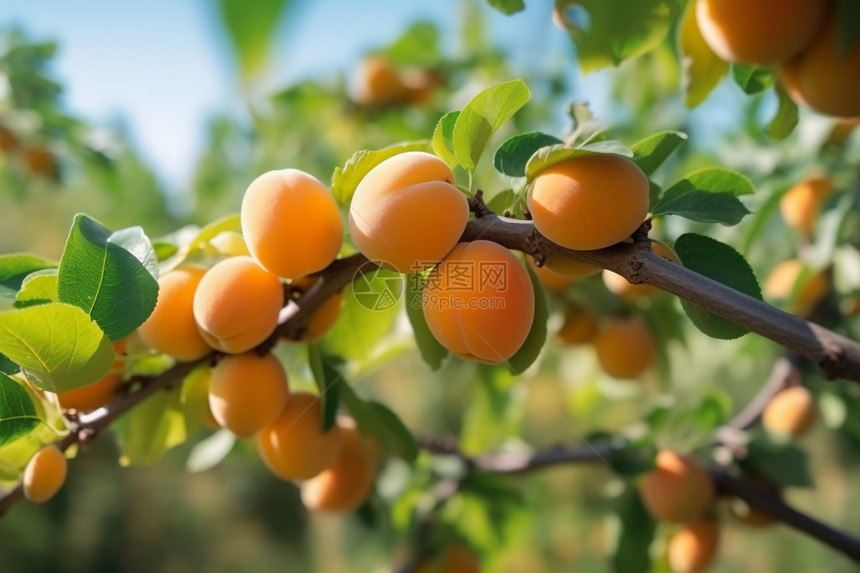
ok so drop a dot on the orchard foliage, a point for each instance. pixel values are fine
(468, 240)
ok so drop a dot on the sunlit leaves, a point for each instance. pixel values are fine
(345, 179)
(708, 196)
(17, 411)
(251, 30)
(513, 155)
(14, 268)
(703, 69)
(651, 152)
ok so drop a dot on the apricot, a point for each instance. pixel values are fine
(344, 486)
(407, 213)
(41, 161)
(693, 548)
(98, 394)
(791, 412)
(291, 223)
(171, 327)
(293, 446)
(579, 327)
(45, 474)
(800, 204)
(479, 302)
(677, 489)
(324, 317)
(236, 305)
(782, 284)
(420, 85)
(625, 348)
(762, 32)
(8, 141)
(247, 392)
(619, 286)
(589, 202)
(551, 280)
(378, 83)
(820, 78)
(456, 559)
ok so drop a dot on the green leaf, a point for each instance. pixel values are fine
(443, 138)
(111, 276)
(701, 206)
(723, 264)
(327, 378)
(781, 461)
(635, 533)
(651, 152)
(536, 338)
(17, 412)
(483, 116)
(432, 352)
(57, 346)
(716, 180)
(151, 428)
(345, 179)
(785, 119)
(163, 250)
(502, 201)
(194, 397)
(14, 268)
(401, 442)
(508, 6)
(39, 287)
(199, 241)
(752, 79)
(703, 69)
(251, 29)
(549, 156)
(512, 156)
(847, 16)
(7, 366)
(607, 32)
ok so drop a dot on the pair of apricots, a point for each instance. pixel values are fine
(800, 37)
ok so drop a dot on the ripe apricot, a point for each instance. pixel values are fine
(41, 161)
(677, 489)
(551, 280)
(792, 412)
(171, 328)
(800, 204)
(456, 559)
(820, 78)
(247, 392)
(378, 83)
(693, 548)
(236, 304)
(589, 202)
(344, 486)
(782, 284)
(293, 446)
(323, 317)
(8, 141)
(44, 474)
(98, 394)
(479, 302)
(407, 213)
(579, 327)
(763, 32)
(625, 348)
(619, 286)
(291, 223)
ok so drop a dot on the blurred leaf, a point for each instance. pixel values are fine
(723, 264)
(251, 28)
(703, 69)
(483, 116)
(57, 346)
(785, 119)
(417, 46)
(194, 397)
(14, 268)
(39, 287)
(501, 201)
(631, 457)
(493, 414)
(379, 422)
(636, 529)
(433, 353)
(710, 413)
(508, 6)
(847, 16)
(443, 138)
(210, 451)
(536, 339)
(345, 179)
(164, 251)
(151, 428)
(201, 238)
(651, 152)
(327, 378)
(752, 79)
(782, 462)
(17, 411)
(512, 156)
(111, 276)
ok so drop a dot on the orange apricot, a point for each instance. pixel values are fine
(8, 141)
(763, 32)
(693, 548)
(236, 304)
(625, 348)
(407, 213)
(791, 412)
(291, 223)
(45, 474)
(346, 485)
(247, 392)
(171, 328)
(479, 302)
(677, 489)
(551, 280)
(41, 161)
(378, 83)
(782, 284)
(98, 394)
(801, 204)
(293, 446)
(589, 202)
(821, 78)
(619, 286)
(579, 327)
(456, 559)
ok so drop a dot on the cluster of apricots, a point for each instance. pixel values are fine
(800, 37)
(379, 83)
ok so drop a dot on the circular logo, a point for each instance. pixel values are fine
(376, 288)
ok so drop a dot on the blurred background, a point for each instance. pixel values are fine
(161, 113)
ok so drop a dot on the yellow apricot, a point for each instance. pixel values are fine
(236, 305)
(823, 80)
(98, 394)
(619, 286)
(791, 412)
(589, 202)
(291, 223)
(625, 348)
(171, 328)
(344, 486)
(324, 317)
(407, 213)
(677, 489)
(580, 326)
(693, 548)
(456, 559)
(551, 280)
(762, 32)
(247, 392)
(378, 83)
(800, 204)
(44, 474)
(8, 141)
(293, 446)
(41, 161)
(479, 302)
(781, 284)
